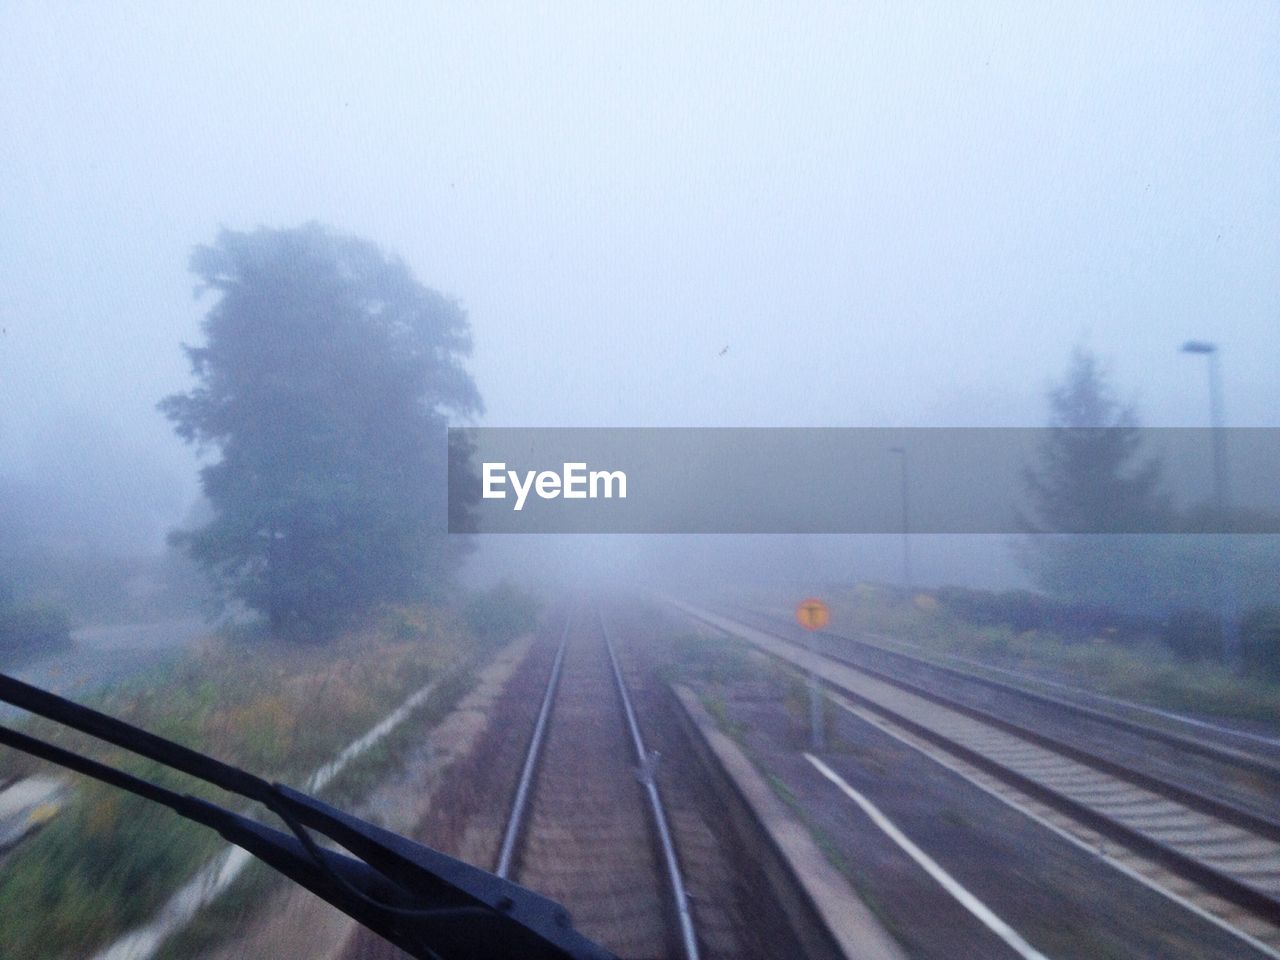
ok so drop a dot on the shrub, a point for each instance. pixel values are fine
(25, 631)
(1193, 634)
(1260, 641)
(1023, 610)
(501, 612)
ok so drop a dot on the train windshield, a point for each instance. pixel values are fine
(692, 481)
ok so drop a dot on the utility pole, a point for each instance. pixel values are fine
(1221, 502)
(906, 523)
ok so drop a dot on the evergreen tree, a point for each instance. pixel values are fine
(1089, 493)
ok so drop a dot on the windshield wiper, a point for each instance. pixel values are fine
(427, 903)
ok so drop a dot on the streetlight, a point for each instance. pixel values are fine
(906, 523)
(1220, 493)
(1221, 498)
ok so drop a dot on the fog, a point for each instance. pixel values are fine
(854, 215)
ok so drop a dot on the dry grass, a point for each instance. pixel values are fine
(279, 710)
(1145, 672)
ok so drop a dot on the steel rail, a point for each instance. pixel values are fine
(1223, 810)
(520, 803)
(1202, 727)
(1217, 752)
(645, 761)
(1209, 877)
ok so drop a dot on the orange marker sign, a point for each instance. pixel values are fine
(812, 614)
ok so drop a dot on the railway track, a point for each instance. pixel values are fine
(587, 826)
(559, 794)
(1211, 855)
(1241, 787)
(1240, 749)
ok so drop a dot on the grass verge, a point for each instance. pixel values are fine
(1142, 671)
(109, 860)
(233, 909)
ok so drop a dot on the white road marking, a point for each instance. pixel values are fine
(971, 903)
(887, 727)
(938, 756)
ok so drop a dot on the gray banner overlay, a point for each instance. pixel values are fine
(848, 480)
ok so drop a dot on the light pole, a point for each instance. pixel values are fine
(1221, 499)
(906, 523)
(1220, 490)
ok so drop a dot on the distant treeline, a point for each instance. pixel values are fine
(28, 630)
(1191, 633)
(1022, 610)
(99, 589)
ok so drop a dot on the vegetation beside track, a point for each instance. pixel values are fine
(275, 708)
(29, 630)
(246, 898)
(1141, 669)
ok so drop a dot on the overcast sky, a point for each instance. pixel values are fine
(890, 213)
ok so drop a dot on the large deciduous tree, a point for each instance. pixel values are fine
(326, 381)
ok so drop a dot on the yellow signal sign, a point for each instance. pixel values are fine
(812, 614)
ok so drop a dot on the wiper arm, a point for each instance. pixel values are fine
(427, 903)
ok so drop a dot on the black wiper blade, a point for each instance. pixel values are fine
(427, 903)
(282, 851)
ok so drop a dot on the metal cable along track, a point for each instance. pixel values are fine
(1237, 859)
(521, 803)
